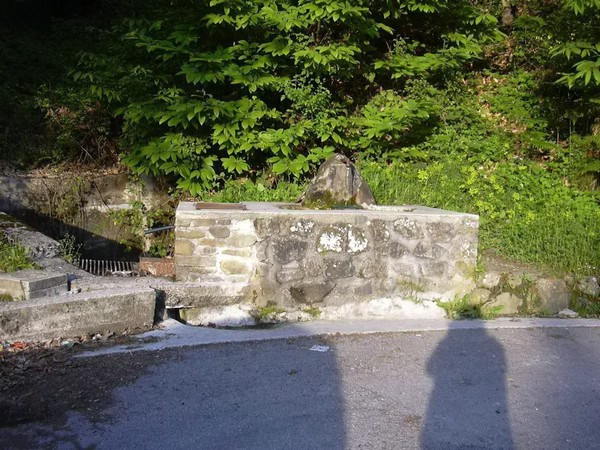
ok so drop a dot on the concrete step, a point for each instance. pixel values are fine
(70, 315)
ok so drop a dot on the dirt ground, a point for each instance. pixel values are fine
(68, 383)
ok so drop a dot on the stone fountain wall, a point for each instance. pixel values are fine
(290, 258)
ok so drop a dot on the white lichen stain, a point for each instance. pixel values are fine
(330, 242)
(356, 242)
(303, 227)
(468, 250)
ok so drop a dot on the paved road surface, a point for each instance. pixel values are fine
(456, 389)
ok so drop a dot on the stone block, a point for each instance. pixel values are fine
(241, 240)
(428, 250)
(357, 241)
(339, 268)
(183, 247)
(480, 296)
(266, 228)
(510, 303)
(204, 294)
(408, 228)
(242, 252)
(302, 227)
(235, 267)
(287, 275)
(588, 286)
(311, 293)
(195, 261)
(191, 233)
(203, 223)
(338, 182)
(332, 239)
(441, 231)
(434, 269)
(373, 268)
(205, 250)
(380, 230)
(396, 250)
(289, 249)
(219, 232)
(312, 267)
(31, 284)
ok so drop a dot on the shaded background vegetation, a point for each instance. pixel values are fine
(490, 107)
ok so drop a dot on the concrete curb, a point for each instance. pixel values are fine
(78, 314)
(175, 334)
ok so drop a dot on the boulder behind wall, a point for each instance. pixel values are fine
(337, 182)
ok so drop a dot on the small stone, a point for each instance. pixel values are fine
(183, 247)
(243, 252)
(480, 296)
(311, 292)
(408, 228)
(433, 269)
(397, 250)
(380, 231)
(289, 249)
(568, 314)
(195, 261)
(357, 242)
(241, 240)
(339, 268)
(510, 303)
(234, 267)
(372, 268)
(302, 227)
(427, 250)
(588, 286)
(440, 231)
(287, 275)
(191, 233)
(332, 240)
(219, 232)
(490, 280)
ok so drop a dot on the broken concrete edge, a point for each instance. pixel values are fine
(76, 315)
(176, 335)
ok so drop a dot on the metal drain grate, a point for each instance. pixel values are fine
(108, 268)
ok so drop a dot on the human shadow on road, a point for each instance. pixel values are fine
(468, 406)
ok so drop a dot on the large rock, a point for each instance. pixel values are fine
(337, 183)
(552, 294)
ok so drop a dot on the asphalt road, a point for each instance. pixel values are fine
(457, 389)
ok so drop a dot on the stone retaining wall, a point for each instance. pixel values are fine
(293, 257)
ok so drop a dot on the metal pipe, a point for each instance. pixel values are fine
(159, 229)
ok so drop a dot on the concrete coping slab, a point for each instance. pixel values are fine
(188, 209)
(32, 283)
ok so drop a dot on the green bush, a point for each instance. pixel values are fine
(14, 256)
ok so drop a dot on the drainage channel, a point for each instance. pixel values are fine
(104, 268)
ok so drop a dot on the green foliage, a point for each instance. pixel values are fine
(461, 308)
(526, 212)
(69, 249)
(225, 89)
(260, 190)
(13, 257)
